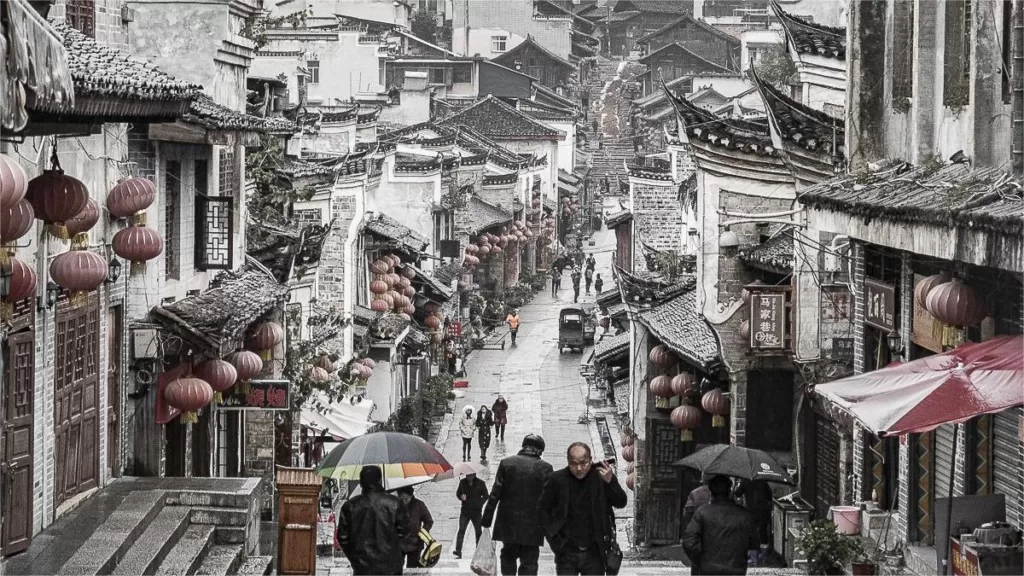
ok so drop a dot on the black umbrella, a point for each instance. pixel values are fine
(738, 462)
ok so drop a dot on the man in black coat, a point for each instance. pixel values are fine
(473, 494)
(517, 487)
(371, 527)
(576, 509)
(720, 534)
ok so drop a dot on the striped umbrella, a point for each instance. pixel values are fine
(399, 455)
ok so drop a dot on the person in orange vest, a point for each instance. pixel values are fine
(513, 324)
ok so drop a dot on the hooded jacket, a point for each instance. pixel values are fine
(370, 532)
(515, 493)
(467, 426)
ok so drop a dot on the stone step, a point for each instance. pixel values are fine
(256, 566)
(229, 535)
(219, 516)
(150, 549)
(212, 499)
(109, 541)
(188, 552)
(221, 560)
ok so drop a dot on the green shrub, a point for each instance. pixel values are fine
(826, 550)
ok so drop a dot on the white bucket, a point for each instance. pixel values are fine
(846, 519)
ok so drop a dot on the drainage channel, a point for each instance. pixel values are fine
(606, 437)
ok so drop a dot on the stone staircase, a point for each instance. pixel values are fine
(154, 526)
(617, 141)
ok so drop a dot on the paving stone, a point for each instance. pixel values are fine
(260, 565)
(150, 549)
(188, 552)
(221, 560)
(110, 540)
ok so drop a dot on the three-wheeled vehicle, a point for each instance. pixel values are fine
(575, 328)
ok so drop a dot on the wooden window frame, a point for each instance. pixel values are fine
(81, 15)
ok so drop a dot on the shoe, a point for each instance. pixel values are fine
(457, 555)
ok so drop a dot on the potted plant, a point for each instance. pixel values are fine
(862, 565)
(826, 550)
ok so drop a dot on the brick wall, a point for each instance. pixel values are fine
(657, 215)
(109, 30)
(857, 255)
(331, 272)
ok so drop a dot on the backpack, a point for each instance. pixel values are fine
(431, 552)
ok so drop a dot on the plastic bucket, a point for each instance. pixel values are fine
(846, 519)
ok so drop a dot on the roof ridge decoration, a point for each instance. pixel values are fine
(809, 37)
(508, 56)
(791, 119)
(730, 133)
(700, 23)
(385, 226)
(713, 66)
(203, 111)
(369, 117)
(488, 111)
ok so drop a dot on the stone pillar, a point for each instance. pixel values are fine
(986, 87)
(865, 93)
(929, 28)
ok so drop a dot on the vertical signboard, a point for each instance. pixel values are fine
(768, 321)
(879, 305)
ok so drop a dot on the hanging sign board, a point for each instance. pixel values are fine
(262, 395)
(926, 332)
(768, 321)
(879, 305)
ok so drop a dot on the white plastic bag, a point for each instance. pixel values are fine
(485, 561)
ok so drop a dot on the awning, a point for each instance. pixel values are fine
(921, 395)
(344, 419)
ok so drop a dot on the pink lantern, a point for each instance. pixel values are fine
(631, 481)
(137, 244)
(408, 292)
(265, 338)
(13, 182)
(365, 371)
(956, 304)
(79, 272)
(432, 322)
(683, 383)
(745, 330)
(83, 222)
(219, 374)
(379, 267)
(15, 221)
(661, 386)
(925, 286)
(408, 272)
(409, 309)
(472, 248)
(716, 404)
(318, 375)
(661, 356)
(485, 249)
(627, 440)
(130, 196)
(380, 305)
(23, 285)
(57, 198)
(378, 286)
(189, 395)
(629, 453)
(496, 250)
(368, 362)
(392, 279)
(685, 418)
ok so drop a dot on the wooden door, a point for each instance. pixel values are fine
(298, 506)
(663, 498)
(76, 383)
(115, 340)
(19, 360)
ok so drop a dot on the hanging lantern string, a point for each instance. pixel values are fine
(54, 160)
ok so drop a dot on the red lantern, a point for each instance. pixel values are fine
(392, 279)
(388, 298)
(627, 440)
(432, 322)
(472, 249)
(409, 309)
(471, 260)
(379, 267)
(79, 272)
(628, 453)
(745, 294)
(661, 386)
(956, 304)
(189, 395)
(683, 383)
(716, 404)
(16, 220)
(23, 285)
(83, 222)
(318, 374)
(403, 282)
(369, 362)
(137, 244)
(745, 330)
(925, 286)
(265, 337)
(378, 286)
(605, 322)
(13, 182)
(325, 363)
(661, 356)
(404, 316)
(685, 418)
(528, 233)
(496, 250)
(408, 272)
(248, 365)
(485, 249)
(219, 374)
(396, 260)
(631, 481)
(380, 305)
(408, 292)
(630, 468)
(130, 197)
(365, 371)
(57, 198)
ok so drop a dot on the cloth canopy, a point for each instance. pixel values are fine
(921, 395)
(343, 419)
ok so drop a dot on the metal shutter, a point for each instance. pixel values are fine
(944, 438)
(1006, 462)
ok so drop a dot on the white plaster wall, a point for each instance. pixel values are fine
(726, 86)
(757, 38)
(567, 147)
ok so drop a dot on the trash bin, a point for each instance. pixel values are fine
(846, 519)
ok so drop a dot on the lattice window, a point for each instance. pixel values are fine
(22, 383)
(228, 173)
(172, 207)
(214, 244)
(81, 15)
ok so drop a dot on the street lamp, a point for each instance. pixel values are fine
(895, 343)
(113, 270)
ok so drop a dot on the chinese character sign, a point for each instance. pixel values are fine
(879, 304)
(262, 395)
(768, 321)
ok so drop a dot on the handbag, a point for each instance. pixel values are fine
(612, 558)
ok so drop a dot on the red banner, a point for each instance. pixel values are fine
(965, 560)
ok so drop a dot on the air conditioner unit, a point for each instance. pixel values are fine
(145, 344)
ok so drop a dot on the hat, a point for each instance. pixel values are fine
(468, 408)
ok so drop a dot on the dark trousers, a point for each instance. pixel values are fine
(527, 558)
(412, 559)
(576, 293)
(465, 518)
(499, 431)
(512, 332)
(572, 561)
(588, 285)
(555, 285)
(467, 448)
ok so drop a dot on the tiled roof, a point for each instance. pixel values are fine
(806, 127)
(448, 272)
(387, 227)
(696, 63)
(690, 20)
(622, 216)
(103, 72)
(947, 196)
(546, 96)
(479, 215)
(619, 17)
(545, 112)
(608, 348)
(733, 134)
(495, 119)
(775, 254)
(811, 38)
(509, 58)
(305, 169)
(607, 297)
(218, 317)
(207, 113)
(616, 309)
(440, 287)
(677, 325)
(663, 6)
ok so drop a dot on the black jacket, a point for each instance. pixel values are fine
(475, 493)
(554, 507)
(517, 486)
(418, 517)
(718, 537)
(370, 532)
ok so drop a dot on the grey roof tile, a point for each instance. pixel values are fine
(610, 347)
(677, 325)
(387, 227)
(479, 215)
(775, 253)
(207, 113)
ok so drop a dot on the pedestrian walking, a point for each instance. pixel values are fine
(594, 124)
(720, 534)
(472, 492)
(556, 280)
(451, 355)
(419, 519)
(757, 497)
(576, 285)
(467, 426)
(598, 284)
(576, 510)
(500, 410)
(588, 276)
(591, 262)
(484, 421)
(513, 324)
(371, 527)
(515, 494)
(697, 498)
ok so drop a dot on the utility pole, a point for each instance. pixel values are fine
(1017, 88)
